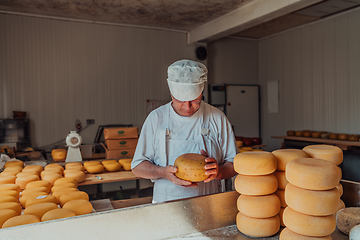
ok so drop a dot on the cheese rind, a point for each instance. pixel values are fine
(257, 227)
(80, 176)
(39, 183)
(41, 199)
(79, 206)
(72, 196)
(256, 185)
(326, 152)
(6, 214)
(287, 234)
(259, 206)
(284, 156)
(23, 181)
(40, 209)
(281, 194)
(255, 163)
(11, 205)
(280, 175)
(20, 220)
(347, 218)
(57, 214)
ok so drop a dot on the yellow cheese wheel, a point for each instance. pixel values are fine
(41, 199)
(95, 168)
(51, 178)
(14, 163)
(257, 227)
(89, 163)
(23, 181)
(341, 205)
(64, 198)
(284, 156)
(339, 187)
(70, 164)
(53, 165)
(281, 195)
(80, 176)
(256, 185)
(20, 220)
(74, 167)
(62, 191)
(63, 185)
(34, 189)
(255, 163)
(10, 186)
(24, 198)
(4, 174)
(57, 214)
(51, 171)
(11, 205)
(126, 166)
(281, 213)
(326, 152)
(58, 154)
(287, 234)
(34, 168)
(313, 173)
(109, 161)
(7, 179)
(40, 209)
(190, 167)
(9, 192)
(79, 206)
(280, 175)
(66, 180)
(14, 169)
(259, 206)
(312, 202)
(6, 214)
(24, 174)
(125, 160)
(8, 199)
(39, 183)
(112, 167)
(315, 226)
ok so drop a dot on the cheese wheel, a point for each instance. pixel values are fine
(281, 213)
(23, 174)
(53, 165)
(284, 156)
(70, 164)
(355, 233)
(281, 195)
(125, 160)
(34, 189)
(257, 227)
(256, 185)
(340, 188)
(287, 234)
(57, 214)
(112, 167)
(63, 185)
(89, 163)
(280, 175)
(80, 176)
(51, 178)
(33, 168)
(24, 198)
(40, 209)
(41, 199)
(312, 202)
(109, 161)
(66, 180)
(190, 167)
(14, 169)
(313, 173)
(315, 226)
(79, 206)
(51, 171)
(75, 167)
(9, 192)
(20, 220)
(3, 174)
(255, 163)
(326, 152)
(62, 191)
(95, 168)
(10, 186)
(341, 205)
(8, 199)
(11, 205)
(6, 214)
(5, 179)
(39, 183)
(126, 166)
(347, 218)
(23, 181)
(14, 163)
(64, 198)
(259, 206)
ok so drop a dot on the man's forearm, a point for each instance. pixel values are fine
(226, 171)
(148, 170)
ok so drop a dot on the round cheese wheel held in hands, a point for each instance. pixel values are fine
(287, 234)
(255, 163)
(347, 218)
(284, 156)
(326, 152)
(256, 185)
(257, 227)
(313, 173)
(191, 167)
(259, 206)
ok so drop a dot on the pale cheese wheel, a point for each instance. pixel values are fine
(259, 206)
(74, 167)
(287, 234)
(10, 186)
(64, 198)
(34, 189)
(6, 214)
(41, 199)
(257, 227)
(95, 168)
(23, 181)
(39, 183)
(57, 214)
(79, 206)
(281, 213)
(51, 178)
(40, 209)
(20, 220)
(326, 152)
(9, 192)
(80, 176)
(53, 165)
(5, 179)
(8, 199)
(62, 191)
(112, 167)
(284, 156)
(24, 199)
(308, 225)
(340, 188)
(14, 163)
(50, 172)
(312, 202)
(355, 233)
(280, 175)
(66, 180)
(256, 185)
(63, 185)
(33, 168)
(281, 195)
(11, 205)
(347, 218)
(255, 163)
(313, 173)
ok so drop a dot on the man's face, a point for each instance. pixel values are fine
(186, 108)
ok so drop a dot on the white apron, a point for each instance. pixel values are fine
(170, 149)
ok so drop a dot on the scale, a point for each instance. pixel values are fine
(73, 142)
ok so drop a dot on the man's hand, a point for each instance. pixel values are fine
(169, 174)
(212, 167)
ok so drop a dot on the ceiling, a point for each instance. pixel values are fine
(208, 20)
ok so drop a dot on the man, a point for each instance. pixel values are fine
(185, 125)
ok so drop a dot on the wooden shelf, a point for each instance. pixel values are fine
(344, 145)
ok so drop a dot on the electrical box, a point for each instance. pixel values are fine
(217, 95)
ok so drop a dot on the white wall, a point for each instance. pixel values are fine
(59, 71)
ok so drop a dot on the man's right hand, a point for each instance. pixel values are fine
(169, 174)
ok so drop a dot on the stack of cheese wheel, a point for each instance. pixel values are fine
(11, 169)
(126, 163)
(64, 185)
(94, 167)
(52, 172)
(284, 156)
(312, 198)
(258, 205)
(75, 170)
(111, 165)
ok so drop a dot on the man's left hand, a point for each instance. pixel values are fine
(212, 167)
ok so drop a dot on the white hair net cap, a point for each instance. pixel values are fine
(186, 79)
